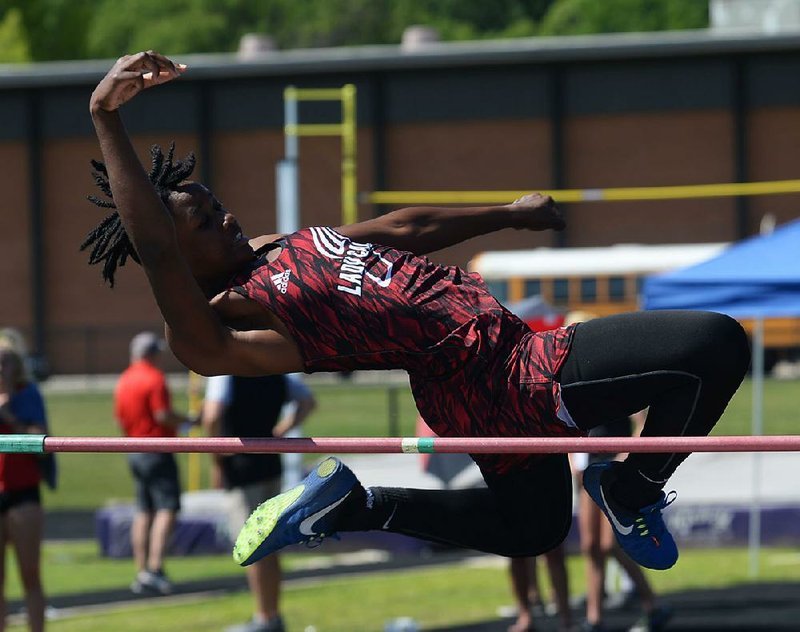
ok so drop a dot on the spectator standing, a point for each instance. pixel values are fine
(22, 411)
(143, 408)
(252, 407)
(598, 543)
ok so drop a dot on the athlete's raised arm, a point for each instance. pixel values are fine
(196, 334)
(425, 229)
(142, 211)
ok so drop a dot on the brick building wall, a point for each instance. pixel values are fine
(657, 112)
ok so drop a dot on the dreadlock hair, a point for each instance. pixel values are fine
(110, 244)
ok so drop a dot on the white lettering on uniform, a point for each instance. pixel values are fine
(352, 271)
(349, 290)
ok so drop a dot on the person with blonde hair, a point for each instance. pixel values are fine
(22, 411)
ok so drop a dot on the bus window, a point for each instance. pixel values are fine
(498, 289)
(533, 287)
(560, 290)
(588, 290)
(616, 288)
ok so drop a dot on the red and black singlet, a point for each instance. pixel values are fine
(475, 368)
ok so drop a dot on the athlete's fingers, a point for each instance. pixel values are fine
(129, 75)
(166, 71)
(166, 62)
(136, 61)
(148, 66)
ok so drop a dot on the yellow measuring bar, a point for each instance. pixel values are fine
(313, 94)
(588, 195)
(315, 129)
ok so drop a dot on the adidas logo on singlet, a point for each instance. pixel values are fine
(281, 281)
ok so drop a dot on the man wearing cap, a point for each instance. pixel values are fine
(143, 409)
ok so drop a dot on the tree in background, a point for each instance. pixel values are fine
(39, 30)
(577, 17)
(13, 38)
(46, 29)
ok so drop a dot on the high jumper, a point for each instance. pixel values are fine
(364, 296)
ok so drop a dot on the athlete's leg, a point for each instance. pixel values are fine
(524, 512)
(684, 365)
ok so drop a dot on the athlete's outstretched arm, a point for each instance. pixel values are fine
(197, 336)
(425, 229)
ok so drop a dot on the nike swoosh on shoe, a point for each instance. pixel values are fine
(617, 524)
(306, 526)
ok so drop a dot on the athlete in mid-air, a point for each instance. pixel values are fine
(364, 296)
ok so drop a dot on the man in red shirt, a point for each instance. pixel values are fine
(143, 409)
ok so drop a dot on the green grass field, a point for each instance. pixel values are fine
(448, 595)
(90, 480)
(361, 603)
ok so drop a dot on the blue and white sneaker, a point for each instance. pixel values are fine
(642, 534)
(306, 513)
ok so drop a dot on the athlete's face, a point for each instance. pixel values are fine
(209, 237)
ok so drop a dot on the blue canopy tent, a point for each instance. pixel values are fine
(757, 278)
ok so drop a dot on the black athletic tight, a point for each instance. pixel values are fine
(684, 366)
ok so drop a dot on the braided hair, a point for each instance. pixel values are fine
(110, 244)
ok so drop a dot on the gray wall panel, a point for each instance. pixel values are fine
(773, 80)
(13, 116)
(463, 94)
(65, 113)
(172, 108)
(644, 86)
(247, 104)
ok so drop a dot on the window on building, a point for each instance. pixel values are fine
(533, 287)
(560, 290)
(616, 288)
(588, 290)
(499, 289)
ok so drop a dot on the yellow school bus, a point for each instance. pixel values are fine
(602, 280)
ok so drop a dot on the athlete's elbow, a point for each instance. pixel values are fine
(201, 359)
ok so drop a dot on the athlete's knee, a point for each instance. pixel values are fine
(545, 536)
(730, 345)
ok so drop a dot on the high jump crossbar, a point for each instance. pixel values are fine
(40, 444)
(732, 189)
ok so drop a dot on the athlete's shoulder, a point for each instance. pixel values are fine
(332, 244)
(262, 240)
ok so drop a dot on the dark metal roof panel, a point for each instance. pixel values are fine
(442, 54)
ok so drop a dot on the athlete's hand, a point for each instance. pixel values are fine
(129, 76)
(535, 211)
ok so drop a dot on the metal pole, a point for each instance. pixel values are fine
(36, 227)
(288, 221)
(287, 186)
(394, 415)
(754, 528)
(290, 121)
(739, 112)
(349, 208)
